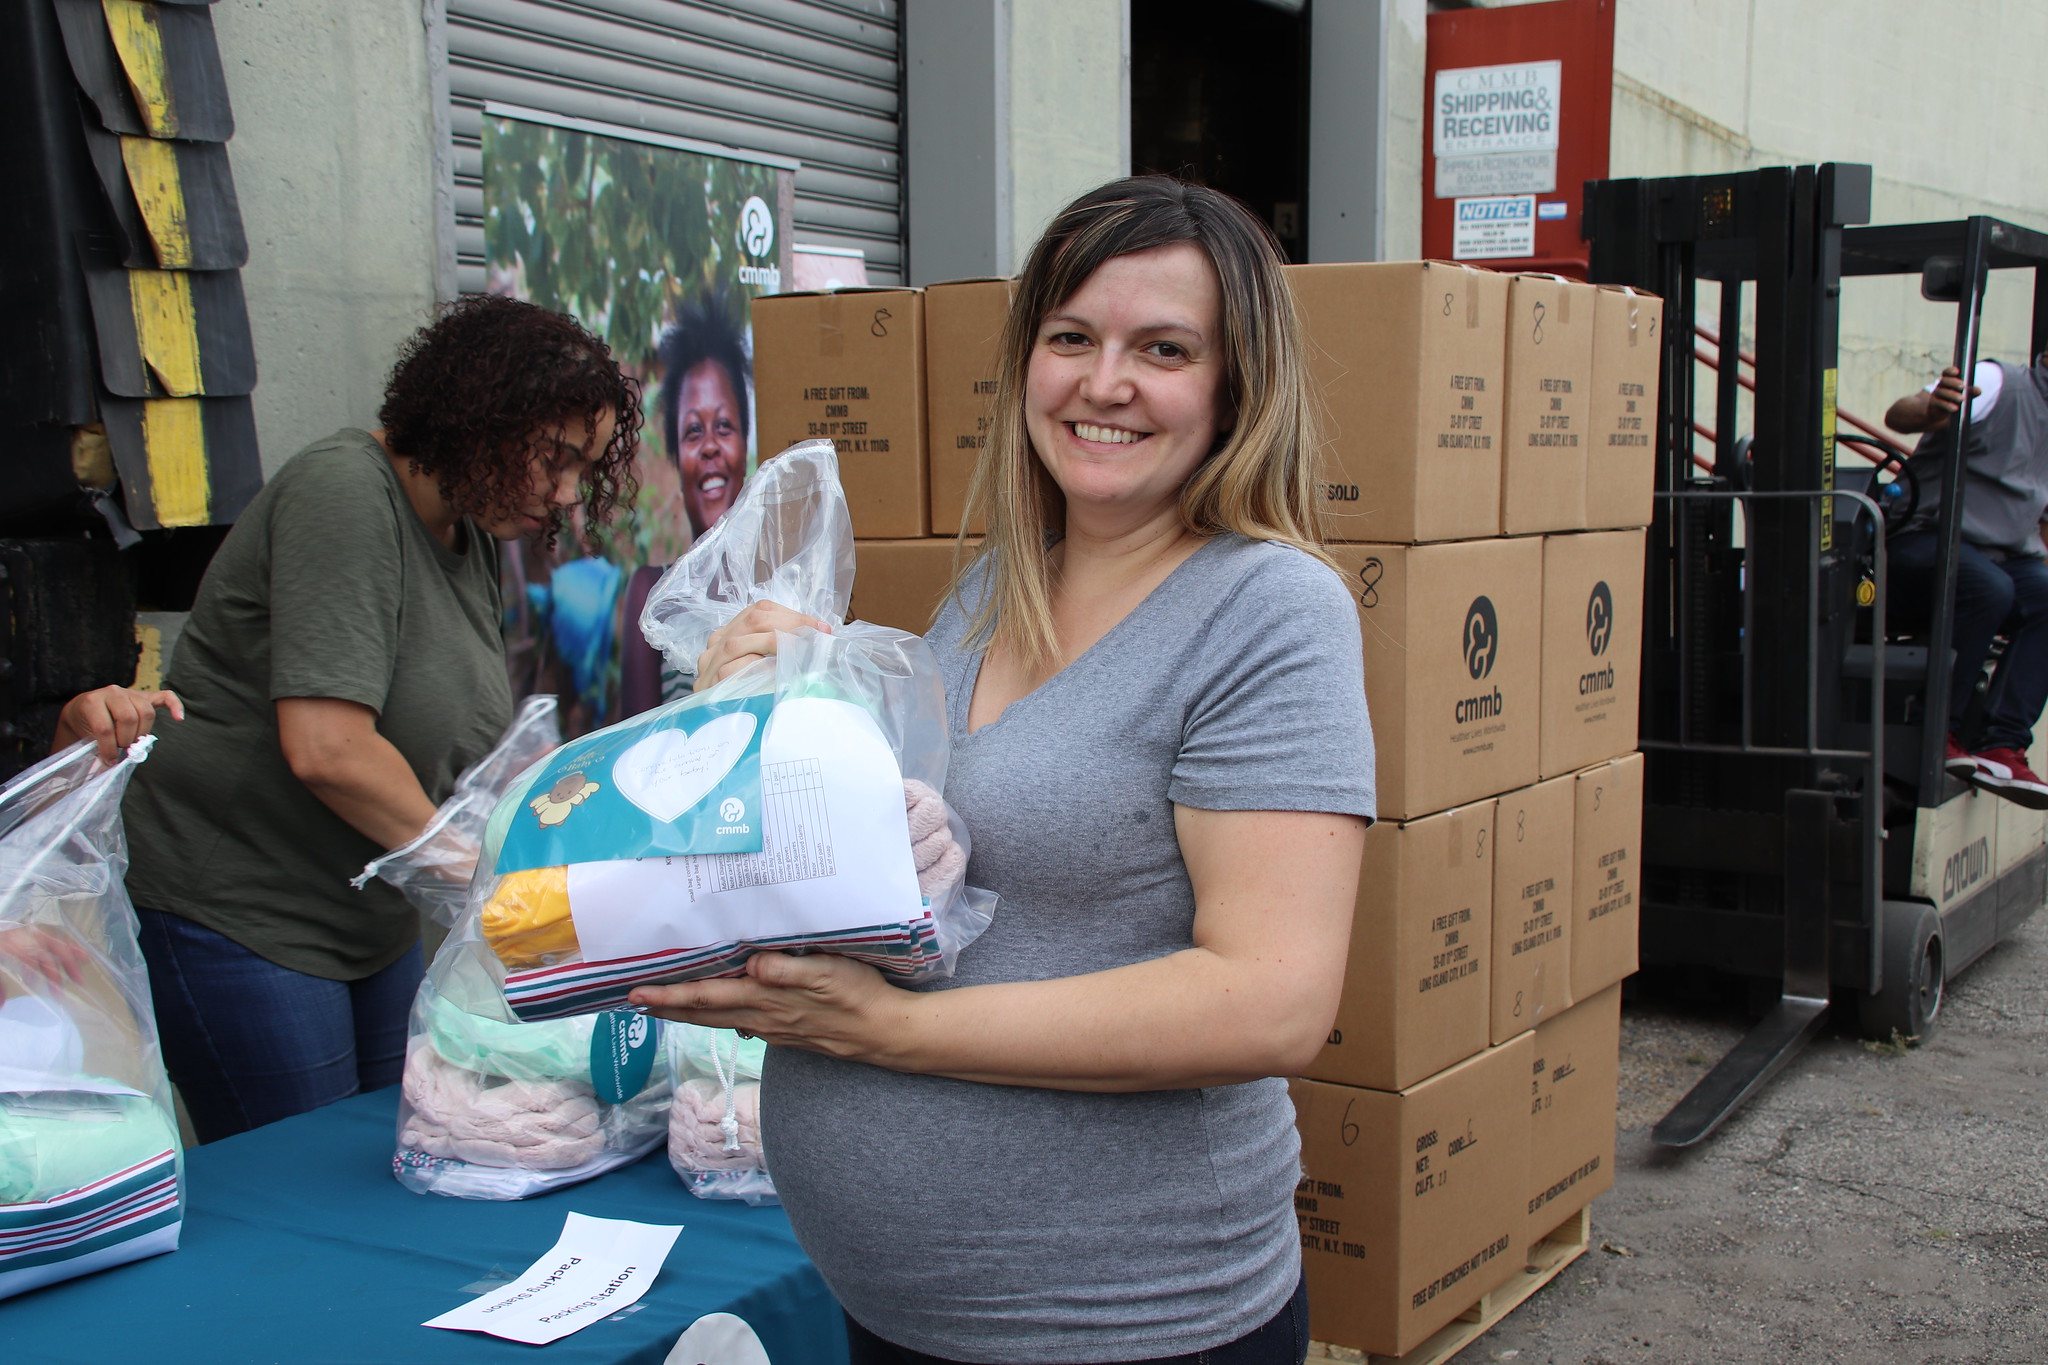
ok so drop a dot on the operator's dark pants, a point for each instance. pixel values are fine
(1996, 593)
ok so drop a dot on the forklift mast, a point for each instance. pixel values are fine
(1788, 744)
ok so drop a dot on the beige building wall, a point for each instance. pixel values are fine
(332, 154)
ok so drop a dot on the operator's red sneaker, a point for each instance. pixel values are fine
(1959, 761)
(2005, 772)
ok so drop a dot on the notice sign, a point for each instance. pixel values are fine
(1495, 226)
(1494, 129)
(597, 1267)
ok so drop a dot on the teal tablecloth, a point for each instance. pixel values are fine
(299, 1246)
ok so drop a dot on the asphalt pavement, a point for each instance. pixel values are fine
(1876, 1203)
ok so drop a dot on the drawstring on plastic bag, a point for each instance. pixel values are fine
(728, 1067)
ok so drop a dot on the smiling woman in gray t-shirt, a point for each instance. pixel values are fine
(1074, 1150)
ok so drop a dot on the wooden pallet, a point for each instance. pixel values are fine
(1565, 1244)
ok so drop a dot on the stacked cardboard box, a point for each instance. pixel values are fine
(901, 380)
(1489, 466)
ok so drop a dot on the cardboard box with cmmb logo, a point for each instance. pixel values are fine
(849, 365)
(1453, 635)
(1412, 1205)
(1592, 647)
(1405, 358)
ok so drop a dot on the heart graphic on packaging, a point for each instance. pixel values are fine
(668, 772)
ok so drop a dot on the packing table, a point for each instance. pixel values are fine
(299, 1246)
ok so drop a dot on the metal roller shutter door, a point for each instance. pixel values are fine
(817, 80)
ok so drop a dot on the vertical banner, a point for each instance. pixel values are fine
(657, 245)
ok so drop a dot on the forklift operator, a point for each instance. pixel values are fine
(2001, 572)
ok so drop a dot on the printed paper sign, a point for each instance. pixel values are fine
(1496, 173)
(597, 1267)
(1496, 226)
(1480, 110)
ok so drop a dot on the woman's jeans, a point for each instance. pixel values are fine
(1994, 594)
(248, 1042)
(1282, 1341)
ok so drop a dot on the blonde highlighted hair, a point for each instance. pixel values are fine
(1261, 480)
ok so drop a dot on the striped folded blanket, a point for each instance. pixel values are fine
(87, 1180)
(909, 949)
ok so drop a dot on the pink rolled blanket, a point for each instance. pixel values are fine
(940, 862)
(696, 1142)
(491, 1121)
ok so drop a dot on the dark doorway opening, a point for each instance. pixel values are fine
(1219, 95)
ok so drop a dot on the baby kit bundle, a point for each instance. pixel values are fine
(793, 806)
(91, 1174)
(497, 1110)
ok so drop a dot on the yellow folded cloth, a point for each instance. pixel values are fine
(526, 921)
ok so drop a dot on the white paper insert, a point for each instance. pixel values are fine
(596, 1267)
(835, 851)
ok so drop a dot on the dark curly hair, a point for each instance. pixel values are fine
(472, 392)
(704, 330)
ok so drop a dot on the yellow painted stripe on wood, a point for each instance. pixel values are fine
(160, 193)
(174, 436)
(141, 47)
(166, 329)
(149, 660)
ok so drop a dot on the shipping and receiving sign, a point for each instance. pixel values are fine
(1494, 226)
(1494, 129)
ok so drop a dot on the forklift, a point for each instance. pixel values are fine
(1799, 826)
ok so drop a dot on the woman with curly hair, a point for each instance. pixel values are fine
(343, 662)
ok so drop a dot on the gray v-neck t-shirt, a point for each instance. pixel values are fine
(1016, 1224)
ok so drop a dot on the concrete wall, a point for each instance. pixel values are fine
(333, 156)
(1070, 108)
(1946, 103)
(1014, 108)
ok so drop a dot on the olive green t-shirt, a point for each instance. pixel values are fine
(329, 585)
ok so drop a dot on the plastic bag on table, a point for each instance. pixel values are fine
(496, 1110)
(434, 870)
(91, 1171)
(796, 805)
(714, 1122)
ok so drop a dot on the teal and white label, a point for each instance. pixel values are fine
(681, 779)
(622, 1049)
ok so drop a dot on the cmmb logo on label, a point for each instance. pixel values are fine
(1482, 646)
(1482, 637)
(1599, 634)
(1599, 618)
(757, 234)
(757, 226)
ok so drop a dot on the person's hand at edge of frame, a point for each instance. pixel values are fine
(113, 717)
(749, 636)
(55, 957)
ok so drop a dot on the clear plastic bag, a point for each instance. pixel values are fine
(796, 805)
(714, 1123)
(434, 870)
(496, 1110)
(91, 1170)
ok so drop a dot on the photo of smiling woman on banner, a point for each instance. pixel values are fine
(657, 245)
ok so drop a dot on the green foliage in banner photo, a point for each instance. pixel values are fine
(616, 233)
